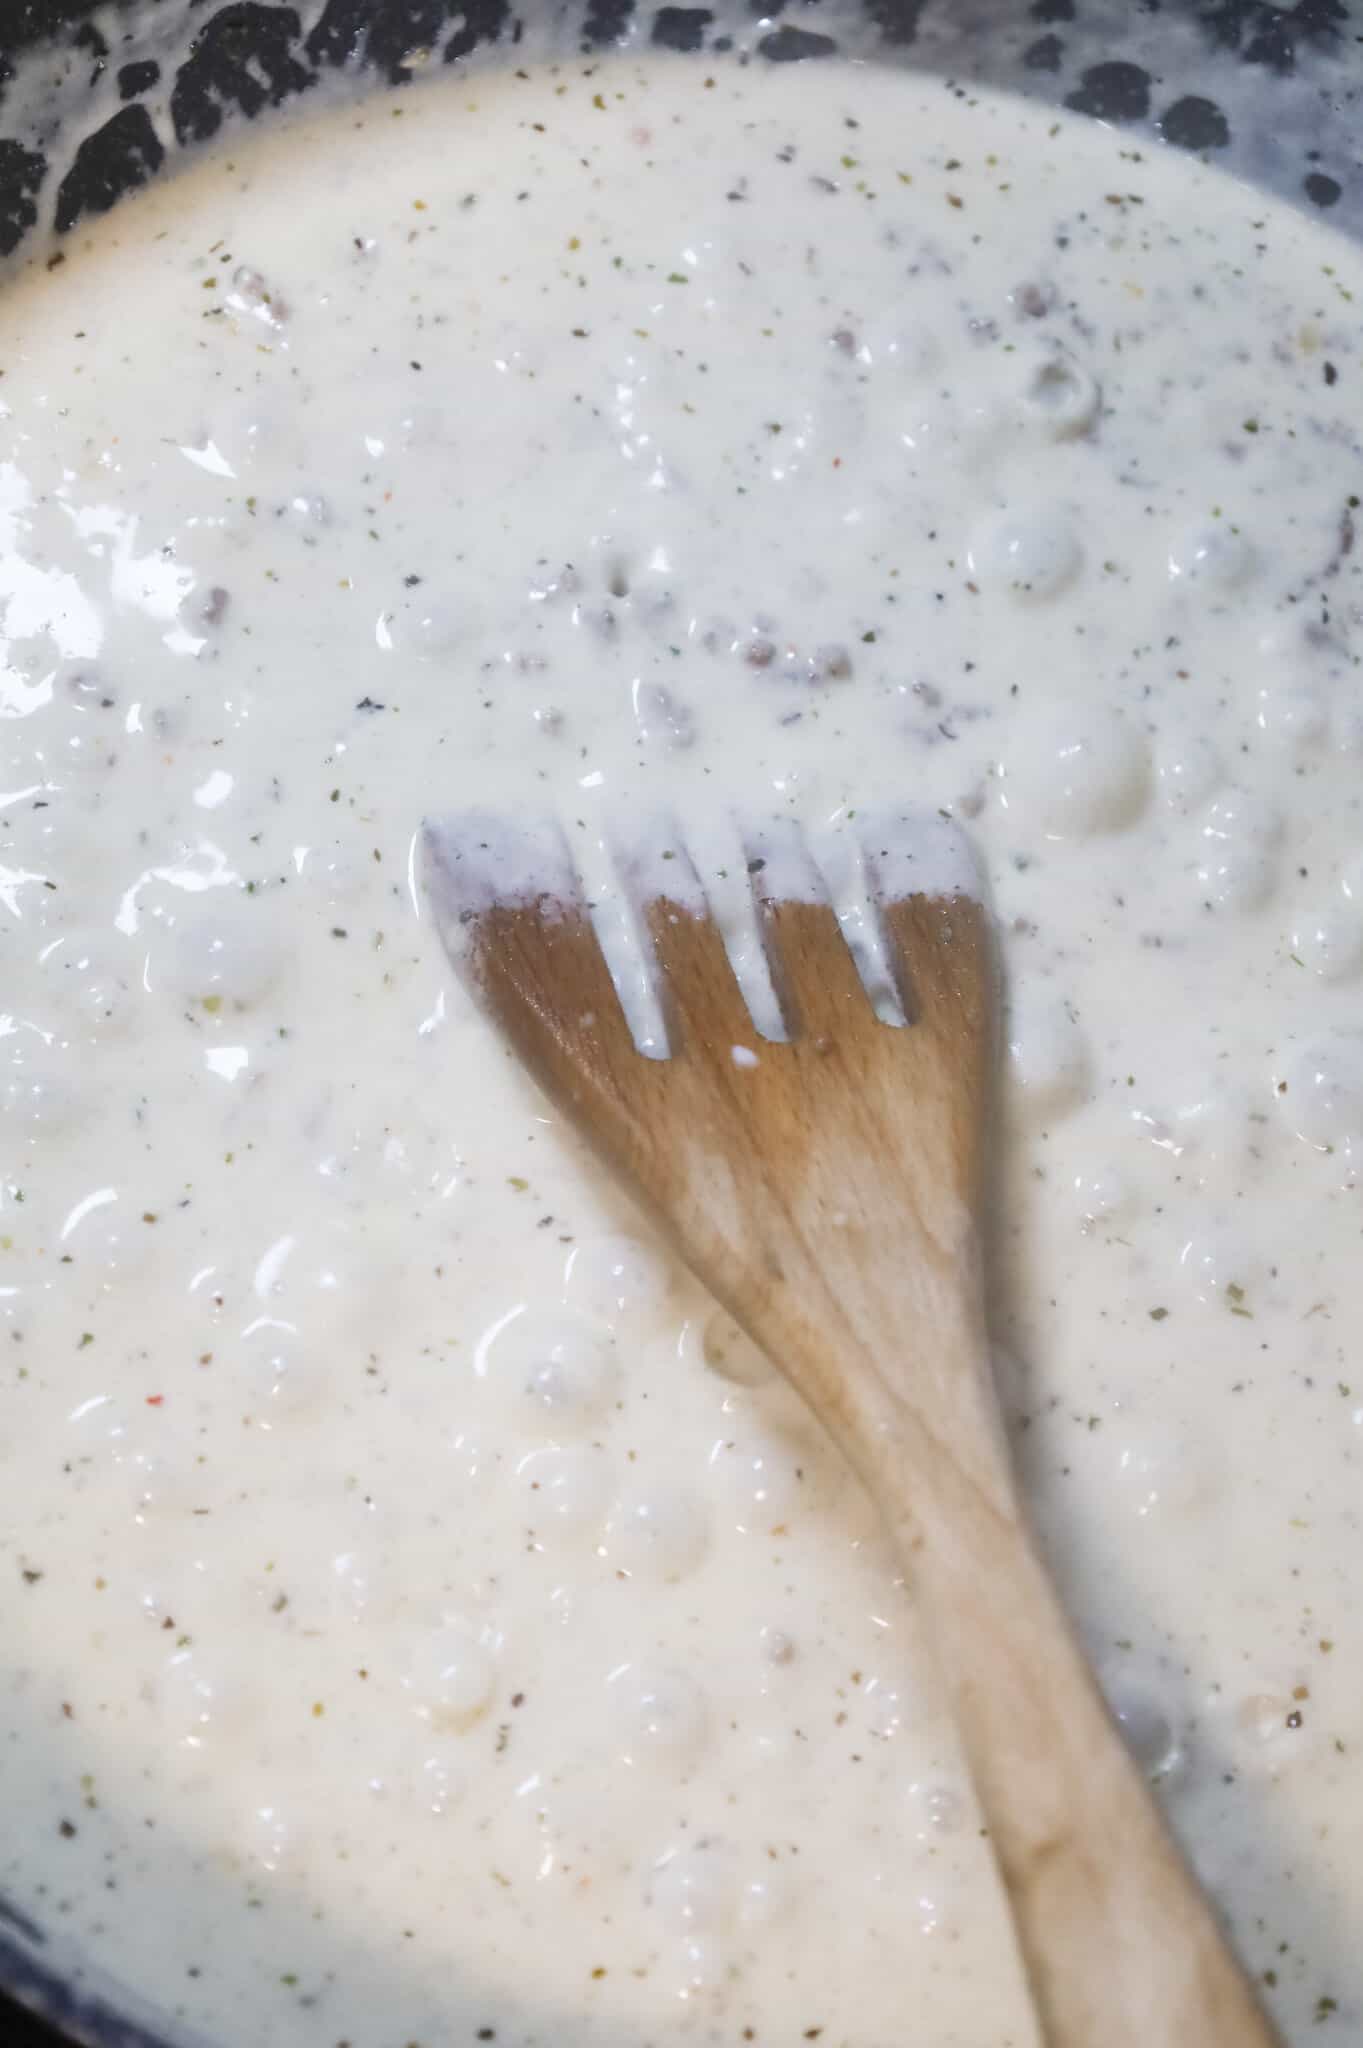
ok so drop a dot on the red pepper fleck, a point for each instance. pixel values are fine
(155, 1400)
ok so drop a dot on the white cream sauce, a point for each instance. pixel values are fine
(425, 1619)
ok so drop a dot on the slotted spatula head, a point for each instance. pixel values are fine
(750, 1152)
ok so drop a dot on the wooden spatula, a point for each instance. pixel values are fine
(826, 1190)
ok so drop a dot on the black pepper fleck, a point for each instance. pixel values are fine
(1322, 190)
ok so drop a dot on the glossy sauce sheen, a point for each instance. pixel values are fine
(425, 1618)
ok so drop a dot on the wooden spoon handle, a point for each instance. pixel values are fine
(1120, 1945)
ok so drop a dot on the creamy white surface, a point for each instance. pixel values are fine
(426, 1616)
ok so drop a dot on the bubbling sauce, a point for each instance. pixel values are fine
(427, 1618)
